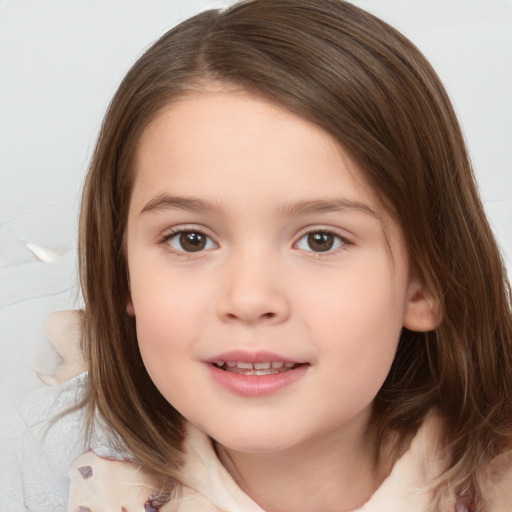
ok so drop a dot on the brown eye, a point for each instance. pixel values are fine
(320, 241)
(190, 241)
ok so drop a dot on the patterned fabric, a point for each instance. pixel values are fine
(46, 466)
(34, 457)
(51, 469)
(99, 484)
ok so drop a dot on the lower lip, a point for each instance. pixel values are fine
(256, 385)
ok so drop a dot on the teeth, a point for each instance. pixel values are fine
(262, 366)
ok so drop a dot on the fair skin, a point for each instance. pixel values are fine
(252, 238)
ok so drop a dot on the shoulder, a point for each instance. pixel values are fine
(497, 484)
(206, 486)
(36, 451)
(101, 483)
(190, 500)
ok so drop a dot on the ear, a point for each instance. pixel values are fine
(422, 313)
(129, 308)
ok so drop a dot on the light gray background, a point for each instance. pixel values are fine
(60, 63)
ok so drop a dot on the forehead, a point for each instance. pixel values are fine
(228, 134)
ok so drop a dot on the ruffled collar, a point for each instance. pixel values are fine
(405, 489)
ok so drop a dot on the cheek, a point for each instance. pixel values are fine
(169, 322)
(165, 336)
(356, 322)
(365, 304)
(168, 319)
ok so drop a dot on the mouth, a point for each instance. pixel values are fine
(260, 368)
(255, 374)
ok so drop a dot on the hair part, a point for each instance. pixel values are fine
(365, 84)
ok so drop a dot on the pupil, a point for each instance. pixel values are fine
(320, 242)
(192, 242)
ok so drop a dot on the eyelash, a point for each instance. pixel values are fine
(341, 241)
(166, 239)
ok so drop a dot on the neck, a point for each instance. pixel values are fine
(335, 472)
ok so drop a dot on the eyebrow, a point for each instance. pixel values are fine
(166, 202)
(325, 206)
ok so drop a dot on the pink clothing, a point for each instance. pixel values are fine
(210, 487)
(55, 471)
(207, 486)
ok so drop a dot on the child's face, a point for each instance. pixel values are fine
(253, 239)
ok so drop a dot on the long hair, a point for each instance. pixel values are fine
(365, 84)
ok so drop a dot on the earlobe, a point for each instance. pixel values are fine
(129, 308)
(422, 313)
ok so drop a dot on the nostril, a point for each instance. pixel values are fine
(268, 315)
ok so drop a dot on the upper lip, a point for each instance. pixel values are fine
(244, 356)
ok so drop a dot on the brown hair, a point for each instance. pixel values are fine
(372, 90)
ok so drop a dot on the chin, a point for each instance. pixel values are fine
(255, 441)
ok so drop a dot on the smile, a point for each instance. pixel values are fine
(264, 368)
(255, 374)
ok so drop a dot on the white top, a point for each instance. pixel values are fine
(58, 472)
(209, 487)
(34, 466)
(40, 472)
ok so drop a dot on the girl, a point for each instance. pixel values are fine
(293, 298)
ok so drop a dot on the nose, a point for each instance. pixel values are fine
(253, 293)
